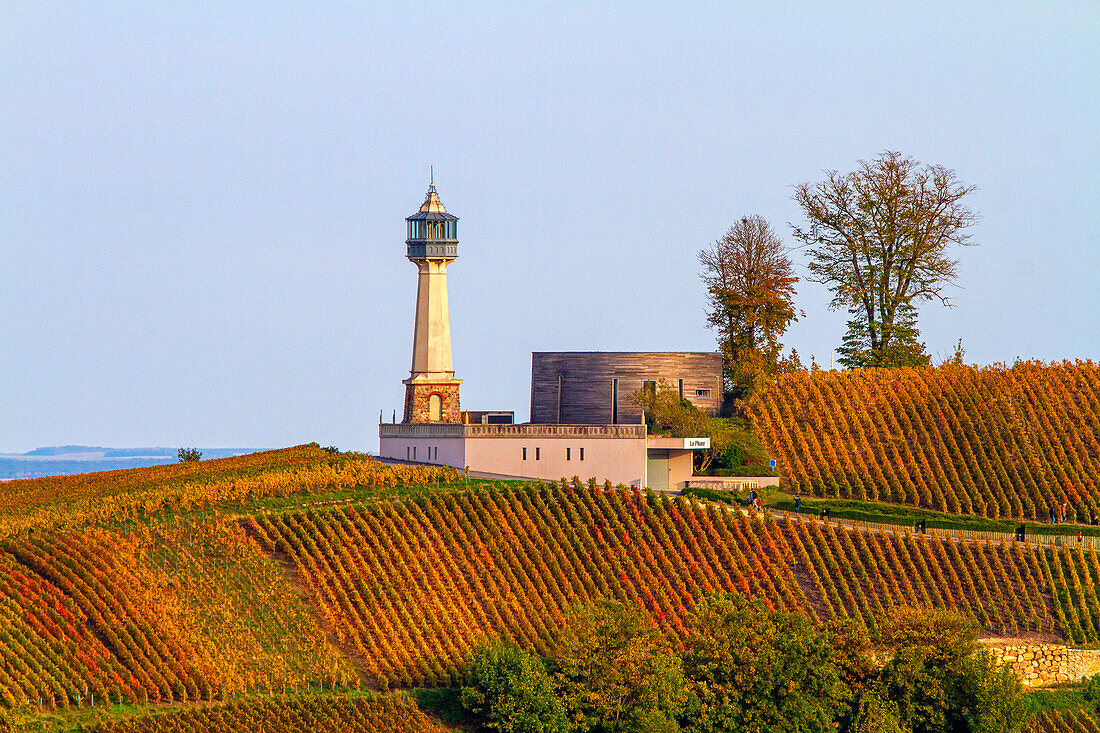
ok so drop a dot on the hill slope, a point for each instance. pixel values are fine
(1015, 442)
(138, 494)
(305, 569)
(410, 587)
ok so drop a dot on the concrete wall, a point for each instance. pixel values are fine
(444, 451)
(586, 383)
(615, 453)
(620, 460)
(730, 483)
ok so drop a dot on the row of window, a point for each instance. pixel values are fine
(568, 454)
(650, 385)
(410, 453)
(433, 230)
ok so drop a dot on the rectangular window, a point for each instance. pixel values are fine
(649, 385)
(702, 393)
(681, 386)
(414, 452)
(614, 401)
(582, 453)
(559, 399)
(525, 454)
(567, 454)
(536, 454)
(407, 452)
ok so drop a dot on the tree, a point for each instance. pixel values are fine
(189, 455)
(615, 671)
(669, 413)
(874, 713)
(752, 669)
(1091, 693)
(731, 443)
(750, 281)
(854, 655)
(510, 691)
(941, 679)
(880, 238)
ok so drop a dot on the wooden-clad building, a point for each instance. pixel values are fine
(594, 387)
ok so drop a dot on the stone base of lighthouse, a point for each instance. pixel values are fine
(432, 402)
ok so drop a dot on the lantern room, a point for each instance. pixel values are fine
(432, 232)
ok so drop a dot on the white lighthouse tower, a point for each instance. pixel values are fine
(431, 391)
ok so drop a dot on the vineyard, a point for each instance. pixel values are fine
(340, 590)
(1015, 442)
(137, 494)
(1059, 722)
(183, 613)
(294, 715)
(409, 587)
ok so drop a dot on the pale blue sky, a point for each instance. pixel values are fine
(201, 209)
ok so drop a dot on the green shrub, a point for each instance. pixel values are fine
(509, 690)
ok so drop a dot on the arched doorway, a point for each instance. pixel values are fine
(435, 408)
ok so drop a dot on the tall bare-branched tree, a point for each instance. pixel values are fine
(880, 239)
(750, 281)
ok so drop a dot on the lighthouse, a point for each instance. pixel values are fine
(431, 391)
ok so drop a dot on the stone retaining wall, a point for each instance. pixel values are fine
(1041, 665)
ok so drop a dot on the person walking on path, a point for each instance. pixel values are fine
(797, 503)
(1052, 515)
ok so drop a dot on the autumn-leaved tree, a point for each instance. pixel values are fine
(880, 238)
(750, 281)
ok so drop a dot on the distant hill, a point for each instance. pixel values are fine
(64, 450)
(61, 460)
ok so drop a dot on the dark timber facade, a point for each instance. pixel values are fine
(594, 387)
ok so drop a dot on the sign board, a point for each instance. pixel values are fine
(696, 443)
(773, 463)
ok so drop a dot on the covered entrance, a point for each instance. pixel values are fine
(668, 461)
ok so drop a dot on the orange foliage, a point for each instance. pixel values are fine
(138, 493)
(996, 442)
